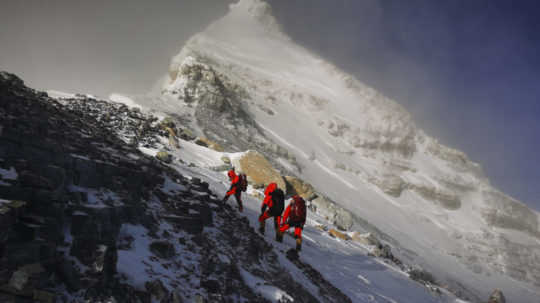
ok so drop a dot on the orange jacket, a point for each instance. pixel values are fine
(235, 181)
(268, 195)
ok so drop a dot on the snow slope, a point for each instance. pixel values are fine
(345, 263)
(363, 151)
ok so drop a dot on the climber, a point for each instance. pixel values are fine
(274, 201)
(235, 189)
(295, 216)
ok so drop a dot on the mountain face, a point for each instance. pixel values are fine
(245, 84)
(121, 201)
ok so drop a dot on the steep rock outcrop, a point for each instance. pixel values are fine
(299, 187)
(505, 212)
(341, 217)
(260, 172)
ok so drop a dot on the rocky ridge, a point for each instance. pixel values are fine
(79, 201)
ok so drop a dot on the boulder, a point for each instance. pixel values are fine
(324, 207)
(173, 141)
(209, 143)
(339, 216)
(167, 122)
(164, 157)
(187, 134)
(43, 296)
(25, 275)
(344, 219)
(201, 142)
(68, 274)
(337, 234)
(497, 297)
(383, 251)
(157, 290)
(30, 179)
(421, 275)
(299, 187)
(223, 167)
(175, 297)
(18, 280)
(321, 227)
(259, 171)
(163, 249)
(366, 239)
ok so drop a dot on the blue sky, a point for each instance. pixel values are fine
(468, 71)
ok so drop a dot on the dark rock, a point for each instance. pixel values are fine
(174, 298)
(157, 290)
(163, 249)
(68, 274)
(164, 157)
(201, 142)
(30, 179)
(187, 134)
(497, 297)
(212, 286)
(109, 263)
(42, 296)
(422, 276)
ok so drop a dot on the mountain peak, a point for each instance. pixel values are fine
(257, 10)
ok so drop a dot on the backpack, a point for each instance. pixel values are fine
(298, 209)
(243, 182)
(278, 201)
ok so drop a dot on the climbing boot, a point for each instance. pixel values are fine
(298, 244)
(279, 236)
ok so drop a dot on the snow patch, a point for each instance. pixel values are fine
(124, 100)
(260, 286)
(60, 95)
(9, 174)
(131, 262)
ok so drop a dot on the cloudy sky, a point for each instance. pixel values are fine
(468, 71)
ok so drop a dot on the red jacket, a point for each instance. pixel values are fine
(267, 195)
(235, 181)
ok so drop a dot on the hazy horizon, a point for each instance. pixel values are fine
(467, 72)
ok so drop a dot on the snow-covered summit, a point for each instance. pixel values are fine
(358, 148)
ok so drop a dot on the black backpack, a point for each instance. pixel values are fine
(278, 201)
(243, 182)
